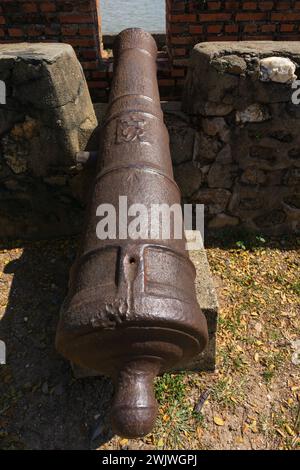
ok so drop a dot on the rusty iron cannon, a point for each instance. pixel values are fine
(131, 312)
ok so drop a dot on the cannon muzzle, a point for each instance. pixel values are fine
(131, 312)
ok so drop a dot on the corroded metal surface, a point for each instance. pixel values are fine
(131, 312)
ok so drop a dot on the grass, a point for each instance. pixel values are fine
(260, 283)
(174, 424)
(254, 393)
(170, 386)
(295, 287)
(177, 418)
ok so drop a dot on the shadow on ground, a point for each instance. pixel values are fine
(41, 405)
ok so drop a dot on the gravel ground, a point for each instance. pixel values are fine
(250, 402)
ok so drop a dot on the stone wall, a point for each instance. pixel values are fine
(240, 151)
(189, 22)
(235, 139)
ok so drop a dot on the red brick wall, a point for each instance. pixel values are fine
(78, 22)
(193, 21)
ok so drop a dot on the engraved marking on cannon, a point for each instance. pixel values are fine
(130, 129)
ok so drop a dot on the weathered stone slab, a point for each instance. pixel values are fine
(224, 74)
(208, 301)
(47, 118)
(47, 88)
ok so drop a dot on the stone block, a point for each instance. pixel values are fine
(224, 74)
(188, 177)
(48, 117)
(48, 93)
(214, 200)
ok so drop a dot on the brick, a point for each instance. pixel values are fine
(29, 7)
(224, 38)
(180, 62)
(287, 28)
(231, 28)
(178, 73)
(75, 19)
(234, 5)
(64, 6)
(214, 5)
(179, 52)
(99, 95)
(268, 28)
(89, 54)
(250, 28)
(211, 17)
(35, 31)
(180, 6)
(99, 74)
(197, 29)
(15, 32)
(285, 16)
(249, 5)
(182, 40)
(86, 31)
(48, 7)
(52, 30)
(265, 6)
(177, 28)
(250, 16)
(98, 84)
(69, 30)
(258, 38)
(215, 28)
(180, 83)
(283, 5)
(289, 37)
(183, 18)
(81, 42)
(166, 82)
(91, 65)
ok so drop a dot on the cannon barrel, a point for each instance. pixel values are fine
(131, 312)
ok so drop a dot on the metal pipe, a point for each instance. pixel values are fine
(131, 312)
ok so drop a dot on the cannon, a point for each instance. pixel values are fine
(131, 311)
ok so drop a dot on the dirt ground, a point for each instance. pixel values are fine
(252, 401)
